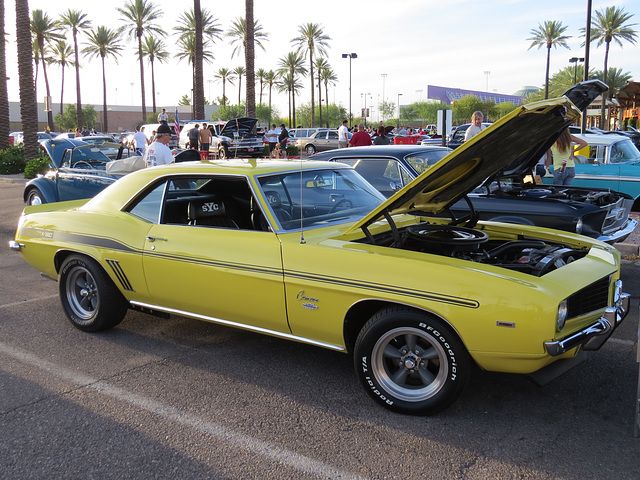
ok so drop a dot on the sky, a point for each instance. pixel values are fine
(402, 47)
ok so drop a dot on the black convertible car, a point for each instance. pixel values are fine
(596, 213)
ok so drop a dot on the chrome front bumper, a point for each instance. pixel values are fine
(595, 335)
(621, 234)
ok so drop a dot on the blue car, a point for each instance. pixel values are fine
(610, 161)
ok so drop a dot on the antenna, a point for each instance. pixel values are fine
(302, 240)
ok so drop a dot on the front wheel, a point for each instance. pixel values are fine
(34, 197)
(223, 153)
(411, 362)
(90, 299)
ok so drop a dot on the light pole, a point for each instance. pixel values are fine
(399, 95)
(575, 61)
(364, 113)
(487, 73)
(210, 82)
(384, 77)
(350, 56)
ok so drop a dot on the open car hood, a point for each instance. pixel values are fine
(241, 126)
(56, 147)
(526, 133)
(581, 95)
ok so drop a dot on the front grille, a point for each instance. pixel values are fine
(590, 298)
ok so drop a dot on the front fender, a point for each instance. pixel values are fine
(47, 187)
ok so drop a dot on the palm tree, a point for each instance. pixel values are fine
(288, 82)
(75, 21)
(4, 96)
(103, 42)
(549, 35)
(36, 59)
(239, 72)
(609, 25)
(313, 40)
(321, 64)
(270, 80)
(28, 106)
(260, 75)
(328, 76)
(45, 30)
(62, 53)
(224, 75)
(154, 50)
(140, 17)
(250, 59)
(197, 28)
(293, 65)
(238, 33)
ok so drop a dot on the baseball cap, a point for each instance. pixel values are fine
(164, 129)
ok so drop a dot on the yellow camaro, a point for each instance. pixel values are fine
(309, 251)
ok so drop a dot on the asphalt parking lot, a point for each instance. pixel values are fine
(178, 398)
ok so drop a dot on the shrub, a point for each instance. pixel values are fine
(36, 166)
(12, 160)
(292, 151)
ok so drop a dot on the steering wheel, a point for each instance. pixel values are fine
(447, 234)
(82, 164)
(343, 203)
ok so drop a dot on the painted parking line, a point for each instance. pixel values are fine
(253, 445)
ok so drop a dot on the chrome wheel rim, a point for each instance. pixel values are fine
(409, 364)
(82, 293)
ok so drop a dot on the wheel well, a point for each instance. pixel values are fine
(62, 255)
(361, 312)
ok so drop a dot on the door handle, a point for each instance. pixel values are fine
(153, 239)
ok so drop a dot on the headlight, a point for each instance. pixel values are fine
(579, 226)
(561, 316)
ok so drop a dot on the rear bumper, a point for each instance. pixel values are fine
(594, 336)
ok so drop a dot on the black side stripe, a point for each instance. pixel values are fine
(119, 272)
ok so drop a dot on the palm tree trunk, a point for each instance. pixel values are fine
(28, 107)
(4, 99)
(62, 92)
(313, 107)
(46, 84)
(249, 53)
(78, 96)
(144, 103)
(289, 95)
(604, 94)
(153, 86)
(546, 75)
(198, 79)
(224, 95)
(293, 102)
(239, 87)
(105, 123)
(320, 99)
(326, 96)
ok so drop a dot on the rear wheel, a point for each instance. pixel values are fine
(90, 299)
(310, 149)
(34, 197)
(411, 362)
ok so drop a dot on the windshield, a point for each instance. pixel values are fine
(86, 156)
(326, 197)
(624, 151)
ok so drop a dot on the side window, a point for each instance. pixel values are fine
(458, 136)
(149, 206)
(333, 135)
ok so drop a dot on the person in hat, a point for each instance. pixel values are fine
(159, 153)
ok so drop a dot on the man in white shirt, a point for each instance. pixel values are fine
(272, 138)
(140, 140)
(163, 117)
(343, 135)
(158, 153)
(476, 125)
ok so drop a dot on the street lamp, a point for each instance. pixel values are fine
(384, 77)
(487, 73)
(210, 82)
(575, 61)
(399, 95)
(364, 112)
(350, 56)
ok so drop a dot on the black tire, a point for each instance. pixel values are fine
(310, 149)
(90, 299)
(411, 362)
(223, 152)
(35, 197)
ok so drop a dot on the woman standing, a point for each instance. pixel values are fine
(564, 167)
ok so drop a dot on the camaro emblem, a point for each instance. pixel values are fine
(307, 301)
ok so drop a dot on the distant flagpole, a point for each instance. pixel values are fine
(176, 123)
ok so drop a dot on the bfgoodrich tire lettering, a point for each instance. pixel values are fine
(89, 298)
(411, 362)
